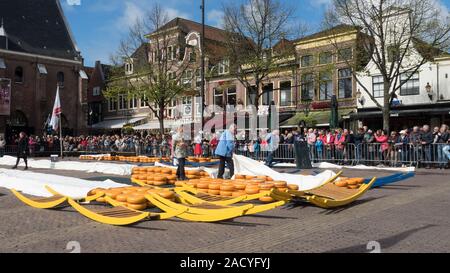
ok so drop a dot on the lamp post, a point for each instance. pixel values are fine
(361, 99)
(429, 90)
(202, 52)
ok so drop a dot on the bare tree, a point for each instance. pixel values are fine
(160, 71)
(254, 28)
(396, 36)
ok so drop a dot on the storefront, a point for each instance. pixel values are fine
(405, 117)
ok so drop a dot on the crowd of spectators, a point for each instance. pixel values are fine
(365, 146)
(341, 146)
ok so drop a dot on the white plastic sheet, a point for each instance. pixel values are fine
(33, 183)
(247, 166)
(90, 167)
(326, 165)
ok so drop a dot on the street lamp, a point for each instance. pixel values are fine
(429, 90)
(361, 99)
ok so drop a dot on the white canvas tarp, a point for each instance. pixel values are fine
(247, 166)
(90, 167)
(33, 183)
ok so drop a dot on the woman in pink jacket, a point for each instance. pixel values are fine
(382, 137)
(339, 143)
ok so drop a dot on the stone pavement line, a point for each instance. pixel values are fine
(36, 237)
(298, 228)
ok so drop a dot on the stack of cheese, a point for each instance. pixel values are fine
(135, 159)
(242, 185)
(132, 197)
(350, 183)
(201, 159)
(159, 176)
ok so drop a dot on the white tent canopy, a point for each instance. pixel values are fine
(116, 123)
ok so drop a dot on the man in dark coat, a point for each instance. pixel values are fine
(22, 150)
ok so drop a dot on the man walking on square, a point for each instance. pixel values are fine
(225, 150)
(22, 150)
(273, 141)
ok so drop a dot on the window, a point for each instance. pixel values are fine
(170, 111)
(251, 95)
(307, 60)
(285, 94)
(198, 82)
(393, 53)
(143, 103)
(411, 86)
(18, 75)
(186, 100)
(133, 103)
(129, 68)
(326, 58)
(60, 78)
(96, 91)
(192, 57)
(218, 97)
(171, 53)
(345, 83)
(2, 64)
(345, 54)
(171, 75)
(308, 86)
(231, 96)
(224, 67)
(187, 78)
(378, 86)
(326, 86)
(112, 105)
(267, 96)
(42, 69)
(122, 102)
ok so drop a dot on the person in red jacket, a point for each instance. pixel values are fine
(382, 137)
(339, 144)
(213, 144)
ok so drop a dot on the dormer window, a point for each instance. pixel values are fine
(224, 67)
(192, 57)
(129, 68)
(18, 75)
(60, 79)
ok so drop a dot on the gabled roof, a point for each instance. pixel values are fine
(211, 33)
(327, 32)
(38, 27)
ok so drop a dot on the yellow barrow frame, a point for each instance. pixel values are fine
(49, 202)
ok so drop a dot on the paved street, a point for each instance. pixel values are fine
(411, 216)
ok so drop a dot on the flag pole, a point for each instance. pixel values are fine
(60, 137)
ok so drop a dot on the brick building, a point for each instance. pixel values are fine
(37, 53)
(183, 49)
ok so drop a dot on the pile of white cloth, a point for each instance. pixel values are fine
(247, 166)
(90, 167)
(33, 183)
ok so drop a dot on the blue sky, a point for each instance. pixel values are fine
(98, 25)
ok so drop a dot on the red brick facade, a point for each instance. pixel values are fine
(34, 97)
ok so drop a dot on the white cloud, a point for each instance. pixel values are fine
(173, 13)
(318, 3)
(215, 17)
(131, 14)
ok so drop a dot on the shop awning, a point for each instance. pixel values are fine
(318, 118)
(153, 125)
(403, 112)
(116, 123)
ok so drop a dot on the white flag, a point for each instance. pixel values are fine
(54, 122)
